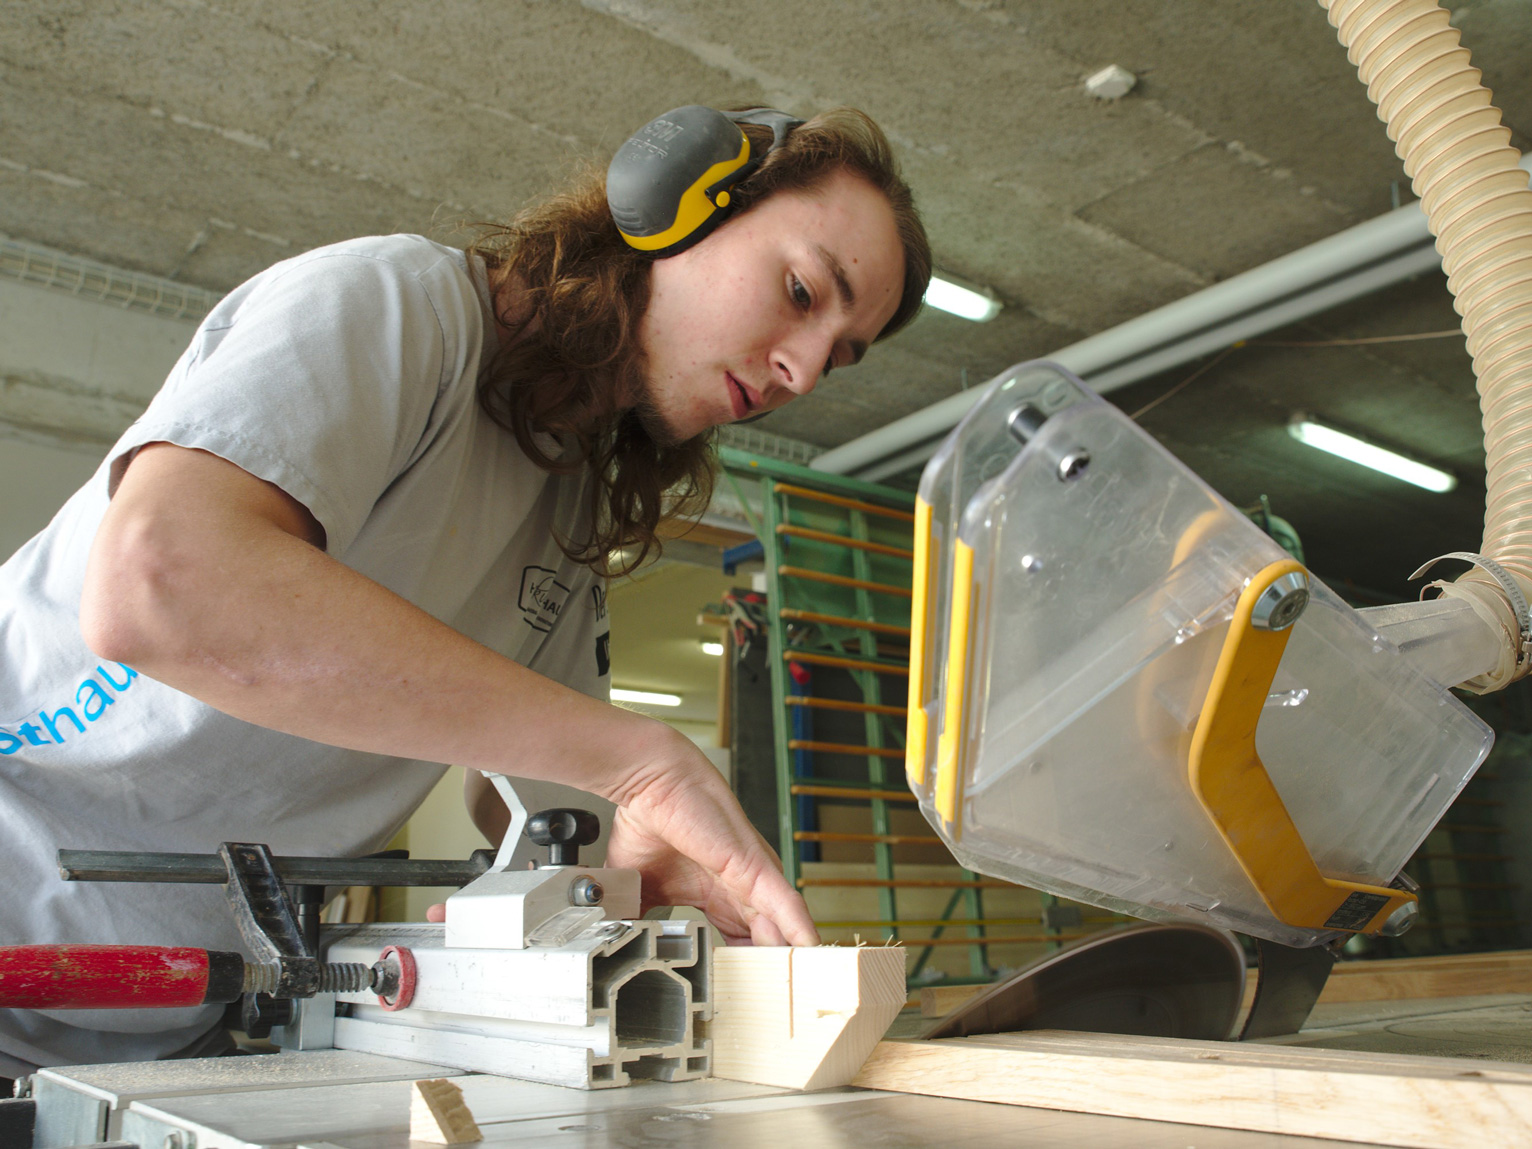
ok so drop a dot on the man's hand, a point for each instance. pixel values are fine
(685, 834)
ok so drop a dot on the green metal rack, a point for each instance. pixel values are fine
(838, 555)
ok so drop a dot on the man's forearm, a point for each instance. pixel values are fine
(233, 608)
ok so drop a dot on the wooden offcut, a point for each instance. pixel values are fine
(802, 1017)
(1420, 1102)
(439, 1115)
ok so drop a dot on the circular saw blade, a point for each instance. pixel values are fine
(1148, 980)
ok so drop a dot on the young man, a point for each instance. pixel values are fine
(361, 533)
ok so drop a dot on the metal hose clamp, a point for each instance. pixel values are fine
(1512, 592)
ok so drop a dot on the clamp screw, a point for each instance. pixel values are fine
(586, 892)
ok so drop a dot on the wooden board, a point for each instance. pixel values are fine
(1421, 1102)
(802, 1017)
(1400, 979)
(1456, 975)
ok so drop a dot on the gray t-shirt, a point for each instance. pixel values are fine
(347, 377)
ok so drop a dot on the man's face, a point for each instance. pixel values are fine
(752, 316)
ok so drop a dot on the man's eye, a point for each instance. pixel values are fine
(799, 293)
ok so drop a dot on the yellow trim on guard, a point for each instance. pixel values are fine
(1231, 782)
(695, 207)
(949, 788)
(920, 609)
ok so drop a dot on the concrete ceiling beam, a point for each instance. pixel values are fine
(1344, 266)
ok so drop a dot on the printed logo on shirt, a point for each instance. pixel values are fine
(603, 654)
(542, 597)
(598, 600)
(53, 726)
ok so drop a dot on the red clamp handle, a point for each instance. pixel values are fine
(117, 977)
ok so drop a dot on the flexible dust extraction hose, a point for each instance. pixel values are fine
(1476, 200)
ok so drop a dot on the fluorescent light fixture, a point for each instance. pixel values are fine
(645, 697)
(1305, 430)
(961, 301)
(713, 648)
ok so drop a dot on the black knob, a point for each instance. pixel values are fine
(563, 832)
(259, 1012)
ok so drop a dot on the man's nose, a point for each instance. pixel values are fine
(799, 362)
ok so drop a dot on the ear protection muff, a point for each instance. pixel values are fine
(668, 186)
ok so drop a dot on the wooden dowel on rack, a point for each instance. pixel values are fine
(844, 748)
(842, 580)
(793, 615)
(853, 792)
(844, 541)
(843, 501)
(845, 663)
(842, 704)
(868, 839)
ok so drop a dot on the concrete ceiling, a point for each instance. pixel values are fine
(204, 141)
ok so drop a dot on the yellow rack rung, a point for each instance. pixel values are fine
(843, 501)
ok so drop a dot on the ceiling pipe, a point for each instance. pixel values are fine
(1355, 262)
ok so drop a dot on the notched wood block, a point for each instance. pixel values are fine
(438, 1114)
(802, 1017)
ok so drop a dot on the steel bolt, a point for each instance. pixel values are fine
(1025, 422)
(586, 892)
(1280, 604)
(1073, 464)
(1401, 920)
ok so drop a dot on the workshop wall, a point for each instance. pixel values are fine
(73, 374)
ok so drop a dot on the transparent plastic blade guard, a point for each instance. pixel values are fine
(1100, 605)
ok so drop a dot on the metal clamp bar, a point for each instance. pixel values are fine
(208, 869)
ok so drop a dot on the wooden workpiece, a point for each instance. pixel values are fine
(1420, 1102)
(1399, 979)
(802, 1017)
(1413, 979)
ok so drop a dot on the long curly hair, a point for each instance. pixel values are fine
(571, 292)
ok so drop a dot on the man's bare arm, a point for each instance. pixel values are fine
(210, 581)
